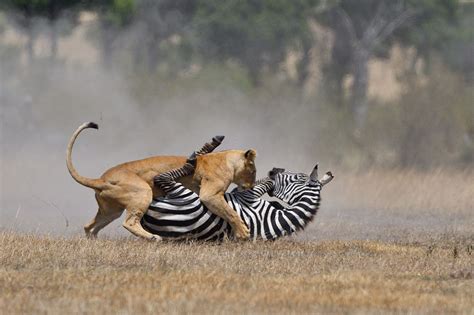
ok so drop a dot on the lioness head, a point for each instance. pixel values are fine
(245, 170)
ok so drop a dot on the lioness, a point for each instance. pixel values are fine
(130, 186)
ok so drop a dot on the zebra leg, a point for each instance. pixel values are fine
(210, 146)
(326, 178)
(166, 181)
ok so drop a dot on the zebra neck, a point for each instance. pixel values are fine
(303, 210)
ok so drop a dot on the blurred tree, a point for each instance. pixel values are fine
(457, 49)
(53, 10)
(151, 23)
(367, 28)
(435, 120)
(161, 25)
(23, 11)
(255, 33)
(9, 62)
(114, 16)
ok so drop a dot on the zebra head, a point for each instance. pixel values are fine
(291, 187)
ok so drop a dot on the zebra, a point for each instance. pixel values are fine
(181, 215)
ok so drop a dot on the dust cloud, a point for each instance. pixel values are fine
(41, 109)
(38, 193)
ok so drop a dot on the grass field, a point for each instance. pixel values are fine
(391, 242)
(55, 275)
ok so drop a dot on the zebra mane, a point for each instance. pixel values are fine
(262, 180)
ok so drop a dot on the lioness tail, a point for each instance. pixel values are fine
(89, 182)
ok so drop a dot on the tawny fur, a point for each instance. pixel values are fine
(129, 186)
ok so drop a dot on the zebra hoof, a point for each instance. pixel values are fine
(218, 139)
(192, 160)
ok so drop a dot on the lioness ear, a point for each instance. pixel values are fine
(251, 154)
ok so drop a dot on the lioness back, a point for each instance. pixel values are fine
(221, 165)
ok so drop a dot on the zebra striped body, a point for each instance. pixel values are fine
(181, 215)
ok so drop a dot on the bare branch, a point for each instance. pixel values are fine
(386, 20)
(393, 25)
(349, 25)
(375, 25)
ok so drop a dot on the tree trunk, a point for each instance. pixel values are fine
(253, 63)
(30, 41)
(152, 54)
(107, 46)
(303, 65)
(360, 86)
(53, 40)
(338, 89)
(53, 32)
(254, 75)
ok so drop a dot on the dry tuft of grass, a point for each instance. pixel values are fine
(406, 192)
(41, 274)
(396, 205)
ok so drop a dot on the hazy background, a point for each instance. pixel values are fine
(379, 92)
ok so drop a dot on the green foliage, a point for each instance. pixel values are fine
(457, 49)
(432, 26)
(172, 47)
(48, 8)
(118, 13)
(374, 26)
(255, 33)
(9, 56)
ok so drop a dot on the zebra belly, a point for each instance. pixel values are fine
(175, 219)
(187, 218)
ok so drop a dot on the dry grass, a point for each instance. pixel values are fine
(437, 192)
(74, 275)
(397, 205)
(419, 259)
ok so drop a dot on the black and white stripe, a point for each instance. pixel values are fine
(181, 215)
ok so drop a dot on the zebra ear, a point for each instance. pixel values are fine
(314, 174)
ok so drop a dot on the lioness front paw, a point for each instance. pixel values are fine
(242, 233)
(155, 238)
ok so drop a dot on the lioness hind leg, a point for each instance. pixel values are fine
(132, 222)
(136, 207)
(89, 227)
(101, 220)
(104, 221)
